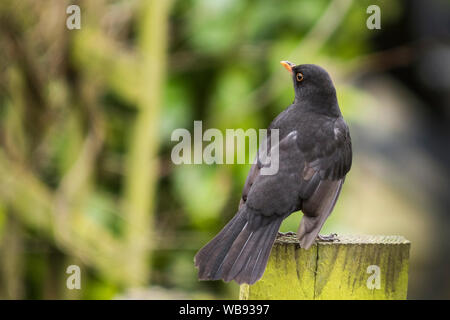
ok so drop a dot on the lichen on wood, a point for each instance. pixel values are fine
(354, 267)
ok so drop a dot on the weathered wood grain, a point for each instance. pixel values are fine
(345, 269)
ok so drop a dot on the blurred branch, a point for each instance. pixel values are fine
(11, 246)
(142, 166)
(384, 60)
(308, 47)
(32, 88)
(119, 68)
(60, 215)
(82, 237)
(319, 34)
(75, 183)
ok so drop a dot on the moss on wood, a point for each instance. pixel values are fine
(344, 269)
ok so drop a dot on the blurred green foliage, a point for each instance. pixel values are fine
(76, 107)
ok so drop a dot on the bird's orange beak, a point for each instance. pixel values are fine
(288, 65)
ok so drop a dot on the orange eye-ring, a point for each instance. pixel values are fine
(299, 77)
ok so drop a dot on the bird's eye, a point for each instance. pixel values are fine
(299, 76)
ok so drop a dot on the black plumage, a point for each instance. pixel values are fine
(315, 154)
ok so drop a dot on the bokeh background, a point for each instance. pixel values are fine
(86, 118)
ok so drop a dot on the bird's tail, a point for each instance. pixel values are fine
(237, 252)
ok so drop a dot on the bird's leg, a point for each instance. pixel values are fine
(330, 238)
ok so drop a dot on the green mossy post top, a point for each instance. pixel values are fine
(354, 267)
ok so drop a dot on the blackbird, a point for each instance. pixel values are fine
(314, 155)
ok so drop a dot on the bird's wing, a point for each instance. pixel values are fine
(256, 167)
(253, 173)
(324, 172)
(310, 177)
(327, 157)
(241, 250)
(274, 194)
(254, 170)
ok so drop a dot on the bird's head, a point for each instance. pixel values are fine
(310, 81)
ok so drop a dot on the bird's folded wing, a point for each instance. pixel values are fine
(323, 176)
(329, 159)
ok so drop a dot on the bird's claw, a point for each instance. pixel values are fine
(330, 238)
(289, 233)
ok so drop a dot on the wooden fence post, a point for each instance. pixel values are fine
(355, 267)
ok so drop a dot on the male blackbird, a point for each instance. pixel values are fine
(315, 154)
